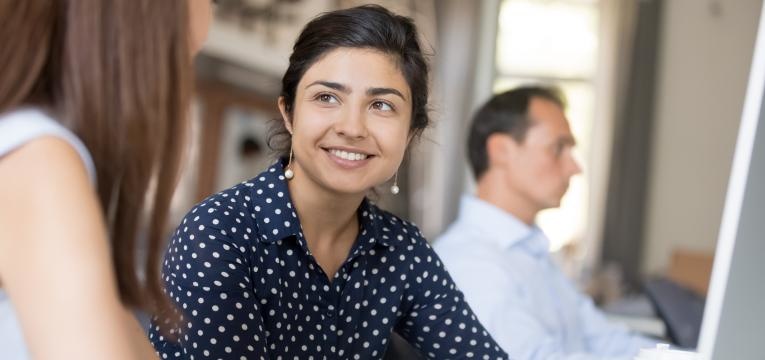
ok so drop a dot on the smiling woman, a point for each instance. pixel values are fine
(297, 262)
(350, 123)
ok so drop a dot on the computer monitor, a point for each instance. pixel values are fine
(734, 317)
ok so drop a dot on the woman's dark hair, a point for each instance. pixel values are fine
(118, 74)
(364, 27)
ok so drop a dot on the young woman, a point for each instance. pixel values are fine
(93, 98)
(297, 263)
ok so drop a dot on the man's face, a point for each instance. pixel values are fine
(540, 167)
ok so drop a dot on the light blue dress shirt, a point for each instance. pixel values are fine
(530, 308)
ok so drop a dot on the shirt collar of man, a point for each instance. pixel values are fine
(275, 215)
(501, 227)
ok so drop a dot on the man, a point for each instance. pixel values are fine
(520, 150)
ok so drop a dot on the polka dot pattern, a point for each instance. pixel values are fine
(239, 271)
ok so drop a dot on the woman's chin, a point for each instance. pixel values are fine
(350, 190)
(348, 186)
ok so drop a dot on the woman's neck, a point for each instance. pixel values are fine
(326, 217)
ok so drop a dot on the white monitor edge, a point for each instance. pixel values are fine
(735, 196)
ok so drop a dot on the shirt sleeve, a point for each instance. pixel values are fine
(606, 338)
(507, 313)
(207, 277)
(439, 322)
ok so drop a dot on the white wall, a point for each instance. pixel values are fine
(706, 50)
(265, 49)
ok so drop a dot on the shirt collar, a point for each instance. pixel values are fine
(501, 227)
(272, 207)
(376, 227)
(276, 218)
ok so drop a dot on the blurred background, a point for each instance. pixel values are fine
(655, 90)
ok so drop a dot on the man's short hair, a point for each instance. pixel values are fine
(504, 113)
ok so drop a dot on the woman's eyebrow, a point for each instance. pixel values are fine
(333, 85)
(377, 91)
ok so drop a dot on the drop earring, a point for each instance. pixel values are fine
(288, 173)
(394, 189)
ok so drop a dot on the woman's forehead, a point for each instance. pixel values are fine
(357, 70)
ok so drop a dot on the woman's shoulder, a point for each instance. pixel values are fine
(25, 126)
(241, 210)
(48, 177)
(391, 229)
(222, 209)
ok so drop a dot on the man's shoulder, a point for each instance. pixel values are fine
(465, 236)
(463, 245)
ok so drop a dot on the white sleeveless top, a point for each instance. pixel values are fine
(16, 129)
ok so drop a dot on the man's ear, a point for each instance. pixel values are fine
(285, 115)
(500, 149)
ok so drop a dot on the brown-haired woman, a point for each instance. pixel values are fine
(93, 101)
(297, 263)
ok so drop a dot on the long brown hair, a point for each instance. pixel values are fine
(118, 74)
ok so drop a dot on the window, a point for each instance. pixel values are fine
(555, 42)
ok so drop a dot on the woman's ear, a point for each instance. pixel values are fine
(285, 115)
(409, 139)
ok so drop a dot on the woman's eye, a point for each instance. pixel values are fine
(327, 98)
(382, 106)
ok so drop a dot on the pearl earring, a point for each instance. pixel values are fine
(395, 189)
(289, 174)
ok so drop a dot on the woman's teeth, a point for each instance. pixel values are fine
(348, 155)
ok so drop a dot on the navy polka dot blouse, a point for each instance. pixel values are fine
(247, 286)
